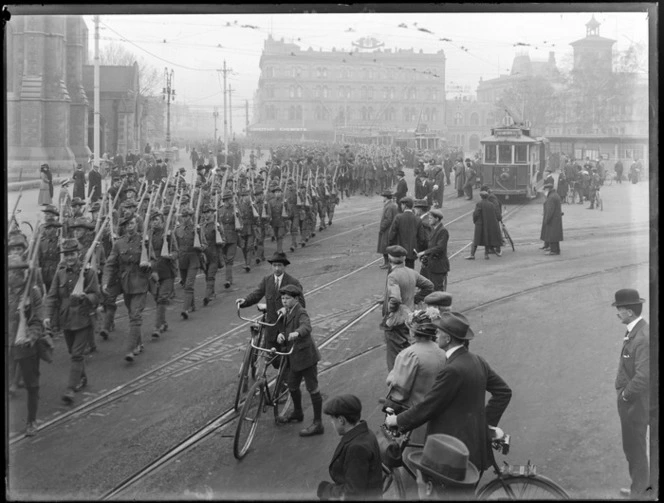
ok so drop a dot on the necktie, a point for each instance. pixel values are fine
(626, 336)
(277, 282)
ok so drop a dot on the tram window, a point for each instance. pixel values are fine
(505, 154)
(490, 153)
(521, 154)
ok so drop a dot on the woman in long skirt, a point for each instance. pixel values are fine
(46, 187)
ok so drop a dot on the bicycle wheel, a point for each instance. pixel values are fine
(507, 235)
(281, 399)
(522, 487)
(243, 380)
(248, 420)
(393, 486)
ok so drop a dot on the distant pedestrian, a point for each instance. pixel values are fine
(487, 229)
(470, 179)
(633, 389)
(618, 168)
(434, 259)
(356, 464)
(552, 222)
(79, 182)
(46, 186)
(402, 187)
(94, 184)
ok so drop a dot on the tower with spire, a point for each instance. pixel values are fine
(593, 52)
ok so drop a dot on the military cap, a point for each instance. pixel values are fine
(291, 290)
(276, 188)
(396, 251)
(436, 213)
(154, 214)
(207, 208)
(343, 405)
(388, 194)
(420, 203)
(17, 239)
(95, 207)
(16, 262)
(49, 208)
(186, 211)
(129, 204)
(442, 299)
(77, 201)
(69, 245)
(82, 222)
(279, 257)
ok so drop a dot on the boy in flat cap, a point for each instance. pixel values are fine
(435, 264)
(355, 467)
(303, 362)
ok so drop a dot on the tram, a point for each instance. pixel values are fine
(513, 162)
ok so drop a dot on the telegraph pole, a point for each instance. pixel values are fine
(168, 94)
(96, 116)
(230, 109)
(246, 115)
(225, 123)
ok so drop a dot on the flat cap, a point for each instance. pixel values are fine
(291, 290)
(436, 213)
(396, 251)
(343, 405)
(69, 245)
(442, 299)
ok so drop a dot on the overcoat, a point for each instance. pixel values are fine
(94, 185)
(634, 372)
(487, 228)
(305, 353)
(123, 264)
(74, 313)
(45, 190)
(401, 190)
(407, 231)
(552, 221)
(356, 467)
(436, 253)
(455, 404)
(390, 211)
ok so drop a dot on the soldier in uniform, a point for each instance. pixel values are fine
(303, 211)
(229, 248)
(49, 244)
(323, 196)
(162, 277)
(189, 260)
(128, 209)
(246, 234)
(24, 355)
(290, 200)
(123, 264)
(213, 252)
(332, 199)
(74, 312)
(276, 215)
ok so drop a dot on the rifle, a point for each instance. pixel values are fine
(218, 238)
(163, 195)
(299, 172)
(165, 249)
(33, 257)
(197, 227)
(266, 207)
(78, 289)
(145, 256)
(334, 180)
(12, 219)
(140, 201)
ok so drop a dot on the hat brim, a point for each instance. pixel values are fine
(284, 261)
(628, 303)
(470, 335)
(472, 473)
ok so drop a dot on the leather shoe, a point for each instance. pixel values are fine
(384, 266)
(316, 428)
(68, 397)
(185, 314)
(30, 430)
(292, 249)
(551, 253)
(206, 301)
(104, 334)
(156, 333)
(544, 248)
(82, 384)
(470, 257)
(293, 417)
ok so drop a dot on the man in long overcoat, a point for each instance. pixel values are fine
(407, 231)
(390, 211)
(459, 177)
(435, 264)
(94, 184)
(487, 228)
(552, 222)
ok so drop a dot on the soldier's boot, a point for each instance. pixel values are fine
(76, 373)
(229, 276)
(187, 305)
(134, 346)
(107, 321)
(160, 320)
(209, 291)
(280, 245)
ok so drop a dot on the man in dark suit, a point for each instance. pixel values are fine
(402, 187)
(552, 222)
(455, 403)
(303, 362)
(407, 231)
(94, 184)
(390, 211)
(269, 288)
(355, 467)
(435, 264)
(633, 389)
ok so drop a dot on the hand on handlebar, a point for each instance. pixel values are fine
(282, 311)
(281, 338)
(391, 420)
(239, 302)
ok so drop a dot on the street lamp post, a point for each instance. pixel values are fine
(168, 95)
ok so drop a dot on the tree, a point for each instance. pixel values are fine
(529, 99)
(148, 77)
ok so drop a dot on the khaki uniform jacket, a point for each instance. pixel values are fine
(74, 313)
(123, 263)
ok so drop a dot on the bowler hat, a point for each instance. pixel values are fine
(69, 245)
(49, 208)
(401, 173)
(396, 251)
(388, 194)
(547, 185)
(627, 297)
(436, 213)
(77, 201)
(343, 405)
(82, 223)
(16, 262)
(442, 299)
(279, 257)
(291, 290)
(455, 325)
(446, 459)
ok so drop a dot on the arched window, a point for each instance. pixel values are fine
(474, 119)
(386, 93)
(324, 73)
(458, 119)
(325, 92)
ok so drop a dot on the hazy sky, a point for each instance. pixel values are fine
(480, 44)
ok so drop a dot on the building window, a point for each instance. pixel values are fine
(363, 92)
(364, 113)
(474, 119)
(291, 91)
(325, 92)
(521, 154)
(405, 115)
(434, 94)
(317, 113)
(298, 91)
(344, 73)
(458, 119)
(412, 93)
(326, 114)
(370, 92)
(386, 93)
(392, 91)
(298, 112)
(291, 113)
(297, 71)
(504, 154)
(317, 92)
(370, 113)
(490, 154)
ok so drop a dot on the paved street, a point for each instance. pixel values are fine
(544, 323)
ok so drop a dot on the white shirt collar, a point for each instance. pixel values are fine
(630, 326)
(449, 352)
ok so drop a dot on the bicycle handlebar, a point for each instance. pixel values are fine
(271, 351)
(259, 321)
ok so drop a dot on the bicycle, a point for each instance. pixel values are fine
(512, 482)
(248, 366)
(506, 234)
(261, 395)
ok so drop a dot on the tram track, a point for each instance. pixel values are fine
(224, 420)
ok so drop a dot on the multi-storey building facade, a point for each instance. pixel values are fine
(307, 94)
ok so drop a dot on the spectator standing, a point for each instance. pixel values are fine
(552, 222)
(618, 168)
(407, 231)
(402, 187)
(434, 259)
(390, 211)
(94, 184)
(487, 229)
(79, 182)
(633, 389)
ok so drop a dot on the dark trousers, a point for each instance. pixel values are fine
(634, 446)
(555, 246)
(29, 368)
(77, 341)
(396, 340)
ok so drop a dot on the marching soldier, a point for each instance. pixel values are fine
(303, 209)
(128, 209)
(260, 224)
(323, 196)
(246, 234)
(74, 309)
(213, 252)
(332, 199)
(123, 266)
(290, 200)
(162, 277)
(49, 245)
(229, 248)
(277, 220)
(189, 260)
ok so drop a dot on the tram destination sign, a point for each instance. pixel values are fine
(512, 132)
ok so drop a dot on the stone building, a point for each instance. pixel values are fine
(468, 120)
(47, 108)
(370, 91)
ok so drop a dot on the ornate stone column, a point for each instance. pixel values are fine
(77, 34)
